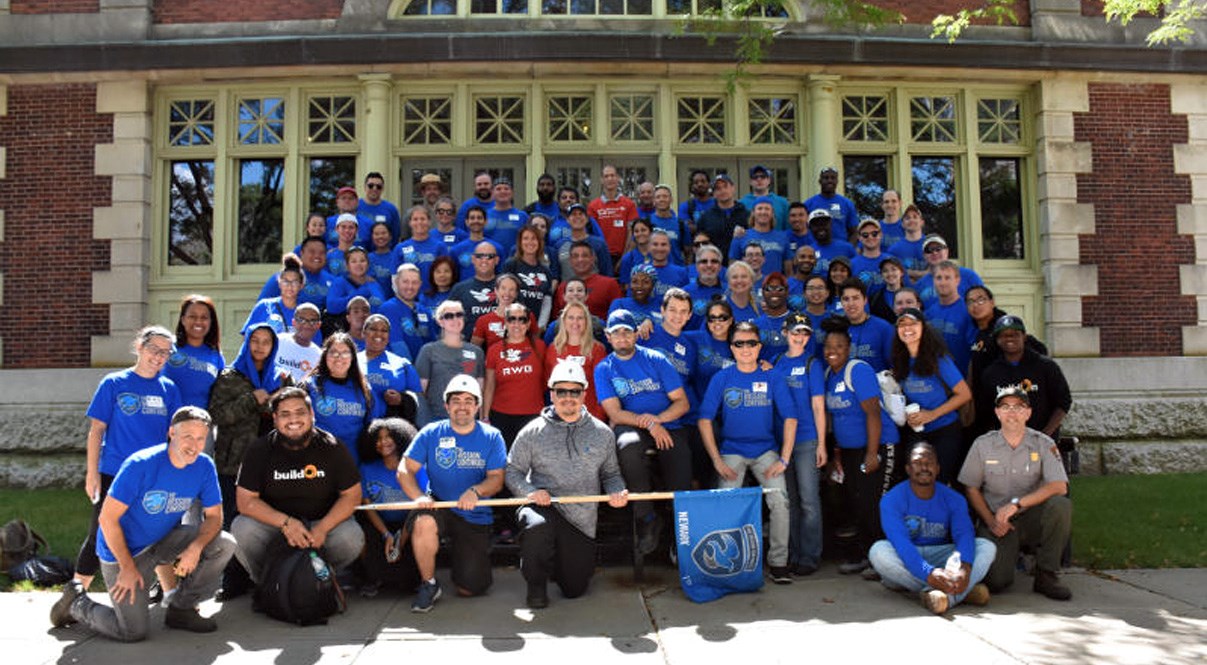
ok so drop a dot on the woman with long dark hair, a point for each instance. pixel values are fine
(442, 277)
(198, 357)
(343, 403)
(515, 368)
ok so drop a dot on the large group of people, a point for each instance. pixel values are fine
(455, 352)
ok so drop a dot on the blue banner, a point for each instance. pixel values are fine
(719, 535)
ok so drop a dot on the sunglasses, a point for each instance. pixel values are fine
(568, 392)
(870, 234)
(716, 318)
(745, 343)
(774, 289)
(710, 262)
(374, 185)
(517, 319)
(445, 211)
(449, 316)
(934, 249)
(486, 256)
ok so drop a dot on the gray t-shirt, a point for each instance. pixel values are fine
(438, 363)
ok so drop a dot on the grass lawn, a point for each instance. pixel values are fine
(1118, 521)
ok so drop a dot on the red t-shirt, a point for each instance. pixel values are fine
(614, 218)
(519, 371)
(490, 328)
(575, 353)
(601, 291)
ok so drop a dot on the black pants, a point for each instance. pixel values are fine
(403, 574)
(87, 562)
(552, 548)
(471, 548)
(949, 447)
(510, 425)
(861, 497)
(675, 464)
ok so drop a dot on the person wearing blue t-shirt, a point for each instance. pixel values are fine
(343, 402)
(770, 320)
(670, 338)
(865, 265)
(763, 233)
(464, 460)
(666, 273)
(910, 248)
(706, 285)
(463, 252)
(748, 402)
(445, 223)
(347, 203)
(929, 378)
(924, 523)
(377, 209)
(641, 301)
(503, 219)
(140, 522)
(865, 435)
(760, 188)
(422, 248)
(382, 262)
(480, 199)
(664, 217)
(278, 311)
(871, 336)
(892, 227)
(936, 251)
(356, 282)
(828, 247)
(644, 398)
(411, 322)
(842, 210)
(392, 378)
(699, 199)
(804, 375)
(198, 356)
(318, 280)
(949, 315)
(387, 560)
(130, 410)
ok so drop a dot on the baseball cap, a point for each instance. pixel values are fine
(621, 318)
(932, 239)
(826, 169)
(576, 206)
(463, 383)
(347, 217)
(867, 221)
(913, 313)
(345, 190)
(723, 176)
(798, 322)
(1008, 322)
(568, 371)
(818, 214)
(757, 169)
(1012, 391)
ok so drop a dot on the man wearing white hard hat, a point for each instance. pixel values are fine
(563, 452)
(464, 460)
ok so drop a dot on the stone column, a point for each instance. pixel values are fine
(824, 115)
(376, 137)
(1191, 159)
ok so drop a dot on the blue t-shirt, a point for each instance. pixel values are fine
(193, 370)
(712, 355)
(340, 408)
(771, 334)
(273, 312)
(778, 203)
(379, 484)
(701, 296)
(872, 341)
(455, 461)
(560, 231)
(383, 211)
(410, 327)
(157, 495)
(910, 522)
(890, 233)
(774, 244)
(931, 391)
(748, 406)
(650, 310)
(691, 209)
(136, 411)
(381, 268)
(677, 232)
(313, 292)
(469, 203)
(681, 351)
(740, 314)
(422, 253)
(337, 262)
(631, 259)
(910, 252)
(450, 238)
(503, 226)
(843, 215)
(344, 290)
(867, 270)
(827, 253)
(926, 285)
(364, 230)
(957, 328)
(845, 405)
(389, 372)
(641, 383)
(805, 377)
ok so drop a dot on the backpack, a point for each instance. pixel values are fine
(300, 588)
(18, 543)
(892, 401)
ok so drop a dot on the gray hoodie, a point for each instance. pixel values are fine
(565, 459)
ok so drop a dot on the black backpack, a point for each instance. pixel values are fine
(300, 588)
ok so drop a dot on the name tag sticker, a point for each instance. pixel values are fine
(153, 401)
(618, 223)
(379, 218)
(513, 217)
(759, 387)
(468, 355)
(448, 442)
(680, 349)
(990, 461)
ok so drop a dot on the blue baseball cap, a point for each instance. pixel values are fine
(621, 318)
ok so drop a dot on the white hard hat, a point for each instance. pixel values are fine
(463, 383)
(568, 371)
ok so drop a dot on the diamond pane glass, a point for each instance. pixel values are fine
(773, 120)
(632, 117)
(191, 214)
(191, 122)
(569, 118)
(261, 121)
(998, 120)
(933, 119)
(332, 120)
(701, 119)
(499, 119)
(865, 118)
(427, 120)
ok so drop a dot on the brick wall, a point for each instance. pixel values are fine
(1136, 246)
(48, 254)
(923, 11)
(208, 11)
(55, 6)
(1092, 8)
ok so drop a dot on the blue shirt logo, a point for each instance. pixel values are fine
(325, 406)
(155, 501)
(129, 403)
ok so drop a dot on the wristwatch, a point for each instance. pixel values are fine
(1017, 503)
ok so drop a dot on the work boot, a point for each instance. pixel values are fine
(933, 600)
(978, 595)
(538, 595)
(60, 612)
(188, 618)
(1047, 583)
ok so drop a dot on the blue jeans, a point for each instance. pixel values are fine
(894, 574)
(804, 507)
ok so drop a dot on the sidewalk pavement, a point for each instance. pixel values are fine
(1137, 616)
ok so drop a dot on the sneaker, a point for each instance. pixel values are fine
(1048, 584)
(978, 595)
(870, 574)
(538, 595)
(60, 612)
(188, 619)
(166, 601)
(426, 597)
(370, 589)
(803, 570)
(649, 532)
(154, 594)
(852, 567)
(780, 575)
(933, 600)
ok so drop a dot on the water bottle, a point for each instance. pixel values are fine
(319, 566)
(953, 563)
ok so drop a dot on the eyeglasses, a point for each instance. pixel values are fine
(374, 185)
(449, 316)
(517, 319)
(935, 249)
(760, 176)
(339, 355)
(445, 211)
(745, 343)
(718, 318)
(816, 288)
(776, 288)
(709, 262)
(870, 234)
(479, 255)
(978, 301)
(568, 392)
(291, 282)
(307, 322)
(1012, 408)
(157, 352)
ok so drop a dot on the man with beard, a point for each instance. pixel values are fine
(699, 200)
(298, 487)
(771, 319)
(924, 522)
(477, 293)
(727, 219)
(545, 203)
(842, 210)
(1047, 389)
(481, 198)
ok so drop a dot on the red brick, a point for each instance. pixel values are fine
(208, 11)
(55, 6)
(48, 254)
(923, 11)
(1135, 194)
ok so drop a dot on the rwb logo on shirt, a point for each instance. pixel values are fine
(728, 552)
(485, 295)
